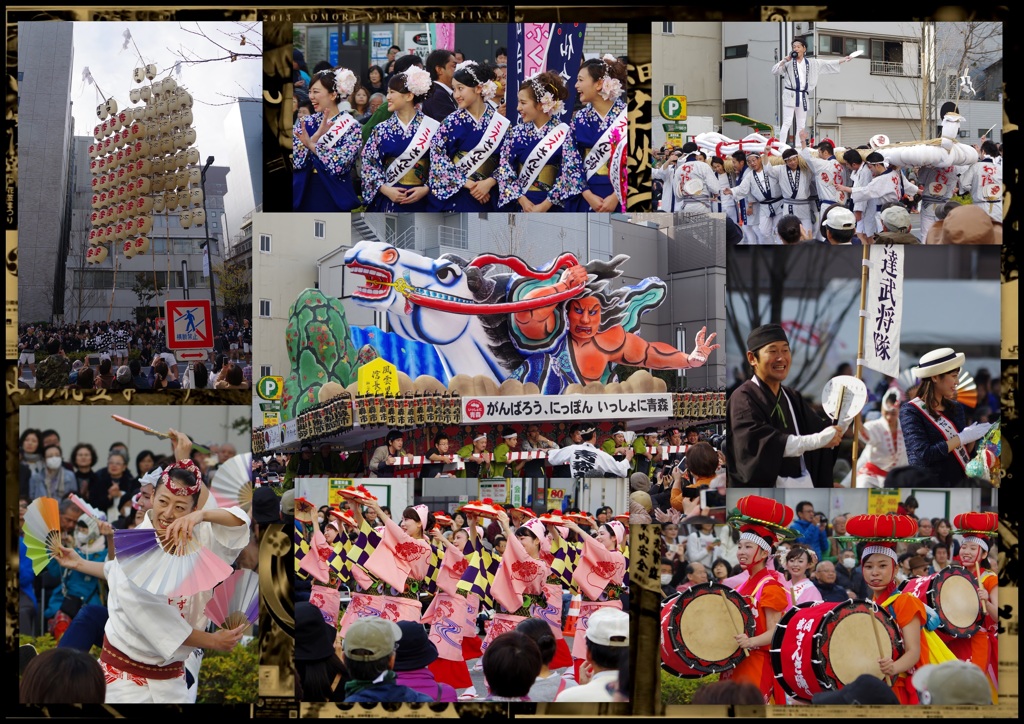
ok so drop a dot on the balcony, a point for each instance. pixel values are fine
(452, 237)
(884, 67)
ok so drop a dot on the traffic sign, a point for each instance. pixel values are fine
(673, 108)
(188, 324)
(674, 127)
(199, 354)
(271, 418)
(675, 139)
(270, 387)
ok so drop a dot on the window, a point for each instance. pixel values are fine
(735, 51)
(213, 224)
(839, 45)
(670, 90)
(319, 230)
(666, 28)
(737, 105)
(265, 243)
(265, 308)
(266, 371)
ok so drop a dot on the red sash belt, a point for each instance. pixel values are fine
(118, 660)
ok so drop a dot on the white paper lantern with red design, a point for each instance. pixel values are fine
(141, 245)
(118, 211)
(94, 183)
(128, 248)
(108, 233)
(143, 224)
(130, 207)
(99, 254)
(141, 148)
(144, 167)
(95, 201)
(97, 132)
(92, 237)
(185, 219)
(94, 218)
(94, 165)
(143, 185)
(196, 196)
(144, 204)
(121, 230)
(198, 217)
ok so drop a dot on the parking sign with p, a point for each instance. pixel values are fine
(270, 387)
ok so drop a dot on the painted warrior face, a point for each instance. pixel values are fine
(584, 318)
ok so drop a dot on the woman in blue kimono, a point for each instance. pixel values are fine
(396, 157)
(465, 151)
(600, 130)
(324, 147)
(540, 168)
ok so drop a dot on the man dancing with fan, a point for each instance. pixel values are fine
(160, 582)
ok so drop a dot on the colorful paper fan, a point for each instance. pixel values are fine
(42, 532)
(86, 508)
(231, 484)
(167, 572)
(967, 390)
(236, 601)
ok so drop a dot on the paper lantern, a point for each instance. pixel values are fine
(122, 191)
(95, 201)
(161, 108)
(128, 248)
(185, 219)
(146, 93)
(183, 199)
(144, 166)
(129, 207)
(108, 233)
(188, 100)
(143, 224)
(157, 182)
(198, 217)
(139, 74)
(179, 140)
(158, 203)
(170, 200)
(141, 245)
(196, 195)
(99, 254)
(96, 133)
(190, 136)
(195, 175)
(134, 95)
(169, 85)
(150, 71)
(100, 199)
(186, 117)
(144, 204)
(101, 111)
(181, 180)
(143, 185)
(166, 146)
(94, 217)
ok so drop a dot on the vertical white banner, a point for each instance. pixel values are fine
(883, 314)
(206, 261)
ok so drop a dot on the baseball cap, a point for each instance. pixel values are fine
(840, 218)
(896, 218)
(865, 689)
(952, 682)
(124, 374)
(288, 502)
(370, 639)
(609, 627)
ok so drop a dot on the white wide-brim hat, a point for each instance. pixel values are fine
(693, 187)
(938, 361)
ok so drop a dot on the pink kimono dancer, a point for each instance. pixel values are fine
(553, 615)
(328, 600)
(451, 617)
(392, 608)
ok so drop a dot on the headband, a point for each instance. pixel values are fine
(620, 530)
(883, 550)
(421, 512)
(756, 540)
(979, 541)
(481, 436)
(173, 486)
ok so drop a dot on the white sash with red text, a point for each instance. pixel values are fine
(601, 153)
(489, 143)
(946, 427)
(543, 151)
(337, 131)
(418, 146)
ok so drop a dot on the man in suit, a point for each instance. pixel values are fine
(440, 102)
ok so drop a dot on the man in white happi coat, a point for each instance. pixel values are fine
(984, 182)
(794, 184)
(148, 637)
(666, 174)
(587, 461)
(800, 78)
(696, 184)
(758, 187)
(937, 186)
(887, 184)
(736, 207)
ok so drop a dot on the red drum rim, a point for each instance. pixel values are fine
(678, 606)
(933, 596)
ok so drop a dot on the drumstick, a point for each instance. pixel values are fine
(875, 623)
(151, 431)
(977, 573)
(725, 602)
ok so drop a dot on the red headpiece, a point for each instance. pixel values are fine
(175, 486)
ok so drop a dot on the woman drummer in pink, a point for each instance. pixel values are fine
(598, 575)
(392, 576)
(922, 646)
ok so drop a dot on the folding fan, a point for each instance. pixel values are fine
(967, 390)
(231, 484)
(161, 568)
(236, 600)
(906, 380)
(86, 508)
(42, 532)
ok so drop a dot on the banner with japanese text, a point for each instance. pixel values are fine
(883, 309)
(541, 407)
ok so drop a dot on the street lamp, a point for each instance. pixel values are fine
(209, 252)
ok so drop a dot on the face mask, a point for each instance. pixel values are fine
(321, 519)
(54, 463)
(81, 538)
(850, 563)
(666, 578)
